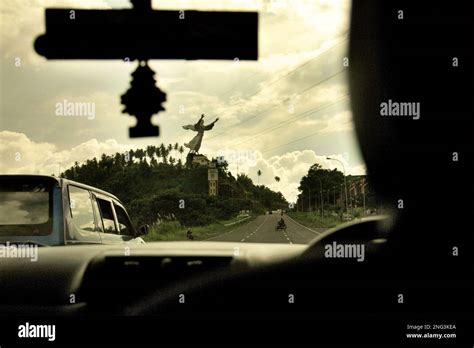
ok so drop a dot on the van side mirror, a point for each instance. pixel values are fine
(143, 230)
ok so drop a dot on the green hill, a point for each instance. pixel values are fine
(156, 187)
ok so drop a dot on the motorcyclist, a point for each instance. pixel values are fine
(189, 235)
(281, 223)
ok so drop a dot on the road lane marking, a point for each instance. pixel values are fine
(296, 222)
(249, 235)
(235, 229)
(287, 238)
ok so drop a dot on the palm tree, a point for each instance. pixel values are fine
(181, 150)
(118, 160)
(150, 152)
(131, 153)
(259, 173)
(140, 154)
(163, 152)
(176, 147)
(157, 152)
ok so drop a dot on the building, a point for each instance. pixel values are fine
(200, 160)
(213, 178)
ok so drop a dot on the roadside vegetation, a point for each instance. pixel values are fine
(331, 219)
(159, 190)
(327, 198)
(313, 220)
(173, 230)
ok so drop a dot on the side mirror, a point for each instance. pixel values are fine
(143, 230)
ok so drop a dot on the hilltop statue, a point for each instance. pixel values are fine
(195, 144)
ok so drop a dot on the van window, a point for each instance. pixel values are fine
(107, 216)
(95, 205)
(26, 207)
(125, 226)
(81, 208)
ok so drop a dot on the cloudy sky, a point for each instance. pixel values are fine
(280, 114)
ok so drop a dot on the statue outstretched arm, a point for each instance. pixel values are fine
(210, 125)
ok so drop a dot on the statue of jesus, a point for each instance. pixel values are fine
(195, 144)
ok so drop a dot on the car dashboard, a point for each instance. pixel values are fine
(101, 279)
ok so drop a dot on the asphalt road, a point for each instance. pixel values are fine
(262, 230)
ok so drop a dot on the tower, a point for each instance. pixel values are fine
(213, 178)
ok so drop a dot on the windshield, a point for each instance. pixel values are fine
(25, 208)
(236, 149)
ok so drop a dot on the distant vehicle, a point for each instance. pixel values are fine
(281, 225)
(46, 210)
(270, 212)
(189, 235)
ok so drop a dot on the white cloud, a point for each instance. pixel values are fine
(21, 155)
(290, 167)
(22, 21)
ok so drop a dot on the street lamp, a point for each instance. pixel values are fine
(321, 195)
(345, 184)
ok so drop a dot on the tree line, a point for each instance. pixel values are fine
(155, 186)
(327, 191)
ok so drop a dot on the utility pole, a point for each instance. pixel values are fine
(345, 184)
(309, 198)
(363, 193)
(351, 201)
(321, 196)
(363, 200)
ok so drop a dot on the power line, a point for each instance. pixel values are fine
(238, 83)
(294, 69)
(278, 105)
(305, 63)
(291, 142)
(301, 115)
(293, 119)
(244, 121)
(311, 60)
